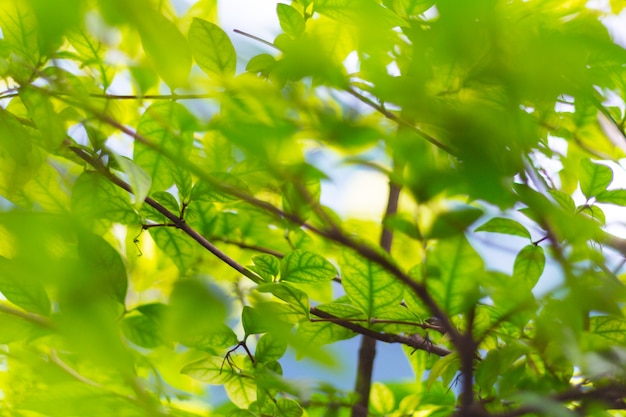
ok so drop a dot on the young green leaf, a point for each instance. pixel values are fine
(460, 268)
(306, 267)
(164, 43)
(267, 266)
(529, 265)
(368, 285)
(594, 178)
(291, 21)
(212, 49)
(295, 297)
(241, 391)
(213, 370)
(139, 180)
(22, 290)
(269, 348)
(382, 399)
(617, 197)
(505, 226)
(176, 245)
(454, 222)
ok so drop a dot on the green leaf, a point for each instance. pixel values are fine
(291, 21)
(241, 391)
(176, 245)
(213, 370)
(617, 197)
(140, 181)
(565, 200)
(382, 400)
(104, 266)
(445, 368)
(267, 266)
(46, 119)
(505, 226)
(594, 178)
(460, 268)
(368, 285)
(454, 222)
(23, 290)
(212, 49)
(270, 348)
(164, 125)
(306, 267)
(15, 329)
(94, 197)
(261, 63)
(286, 407)
(144, 328)
(295, 297)
(219, 338)
(205, 191)
(164, 43)
(612, 329)
(196, 308)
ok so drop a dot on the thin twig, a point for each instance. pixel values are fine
(37, 319)
(256, 38)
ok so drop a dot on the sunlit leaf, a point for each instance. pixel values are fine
(212, 49)
(291, 21)
(306, 267)
(594, 178)
(505, 226)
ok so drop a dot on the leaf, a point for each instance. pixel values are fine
(460, 268)
(41, 111)
(445, 368)
(241, 391)
(454, 222)
(140, 181)
(296, 298)
(594, 178)
(267, 266)
(291, 21)
(104, 266)
(368, 285)
(306, 267)
(22, 290)
(611, 329)
(565, 200)
(176, 245)
(212, 49)
(382, 399)
(164, 43)
(505, 226)
(94, 197)
(205, 191)
(270, 348)
(212, 370)
(286, 407)
(220, 337)
(164, 125)
(617, 197)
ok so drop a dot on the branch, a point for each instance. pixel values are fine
(33, 318)
(334, 235)
(414, 341)
(391, 116)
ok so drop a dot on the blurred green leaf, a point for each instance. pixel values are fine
(594, 178)
(291, 21)
(505, 226)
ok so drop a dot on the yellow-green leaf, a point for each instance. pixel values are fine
(212, 49)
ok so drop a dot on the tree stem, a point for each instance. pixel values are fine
(367, 351)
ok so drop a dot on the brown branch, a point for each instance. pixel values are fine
(414, 341)
(334, 235)
(392, 116)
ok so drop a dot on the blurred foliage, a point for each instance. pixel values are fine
(131, 279)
